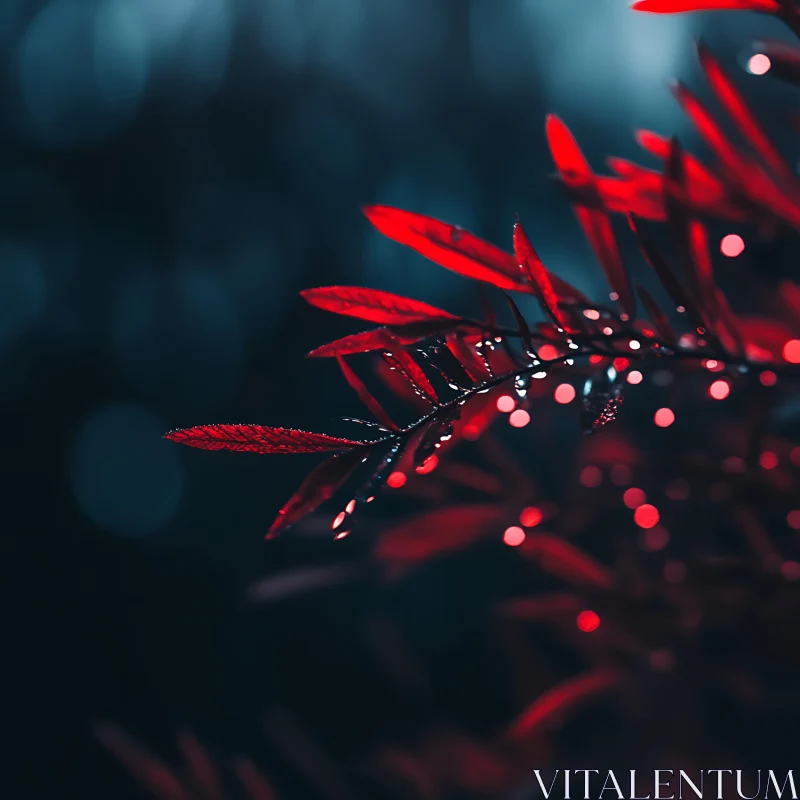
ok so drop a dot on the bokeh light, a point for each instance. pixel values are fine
(791, 351)
(655, 538)
(768, 378)
(83, 70)
(22, 293)
(396, 480)
(506, 403)
(634, 497)
(664, 417)
(768, 459)
(547, 352)
(793, 519)
(731, 245)
(429, 465)
(519, 418)
(591, 477)
(678, 489)
(125, 476)
(514, 536)
(719, 390)
(564, 393)
(178, 337)
(588, 621)
(758, 64)
(634, 377)
(790, 570)
(646, 516)
(531, 516)
(733, 464)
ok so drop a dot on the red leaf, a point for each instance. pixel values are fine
(731, 98)
(434, 533)
(381, 338)
(665, 274)
(560, 698)
(662, 324)
(577, 174)
(258, 439)
(685, 234)
(201, 768)
(403, 362)
(468, 358)
(357, 343)
(254, 783)
(457, 250)
(522, 324)
(765, 338)
(448, 245)
(679, 6)
(698, 241)
(400, 387)
(640, 196)
(698, 175)
(558, 557)
(319, 486)
(538, 275)
(146, 768)
(372, 305)
(365, 396)
(727, 327)
(747, 176)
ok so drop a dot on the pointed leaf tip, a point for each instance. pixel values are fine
(319, 486)
(373, 305)
(589, 208)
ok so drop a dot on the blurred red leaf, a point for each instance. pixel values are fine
(319, 486)
(577, 175)
(558, 557)
(434, 533)
(747, 176)
(765, 338)
(151, 772)
(738, 110)
(662, 324)
(688, 238)
(200, 767)
(372, 305)
(665, 274)
(258, 439)
(562, 698)
(253, 782)
(679, 6)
